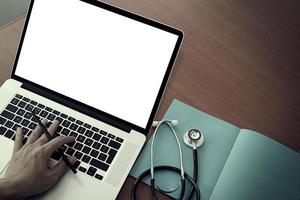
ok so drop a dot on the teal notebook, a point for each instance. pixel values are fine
(234, 163)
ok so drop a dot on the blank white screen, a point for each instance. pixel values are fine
(97, 57)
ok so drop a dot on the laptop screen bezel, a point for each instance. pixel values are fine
(86, 109)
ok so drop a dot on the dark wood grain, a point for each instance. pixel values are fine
(239, 61)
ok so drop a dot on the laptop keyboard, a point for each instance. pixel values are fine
(94, 147)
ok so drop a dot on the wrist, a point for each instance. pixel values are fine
(9, 189)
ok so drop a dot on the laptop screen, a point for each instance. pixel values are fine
(105, 60)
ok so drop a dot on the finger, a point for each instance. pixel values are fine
(56, 143)
(18, 141)
(60, 168)
(36, 133)
(52, 130)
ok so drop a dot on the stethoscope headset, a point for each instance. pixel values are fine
(192, 138)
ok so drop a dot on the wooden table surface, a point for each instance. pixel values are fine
(239, 61)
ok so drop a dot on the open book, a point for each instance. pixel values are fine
(234, 163)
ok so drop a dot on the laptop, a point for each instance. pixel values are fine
(99, 70)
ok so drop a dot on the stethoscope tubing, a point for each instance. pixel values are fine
(184, 176)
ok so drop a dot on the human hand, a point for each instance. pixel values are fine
(29, 170)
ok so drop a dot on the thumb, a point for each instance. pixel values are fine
(61, 167)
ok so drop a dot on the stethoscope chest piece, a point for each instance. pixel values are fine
(193, 138)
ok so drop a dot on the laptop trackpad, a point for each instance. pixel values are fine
(6, 149)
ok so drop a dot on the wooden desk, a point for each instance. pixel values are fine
(239, 62)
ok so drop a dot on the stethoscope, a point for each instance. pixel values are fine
(192, 138)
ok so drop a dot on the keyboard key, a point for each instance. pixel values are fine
(99, 164)
(26, 99)
(80, 138)
(86, 158)
(111, 156)
(72, 119)
(63, 148)
(65, 131)
(73, 127)
(89, 133)
(19, 96)
(48, 109)
(91, 171)
(25, 130)
(104, 140)
(79, 122)
(104, 148)
(33, 102)
(2, 130)
(103, 132)
(96, 145)
(35, 120)
(78, 146)
(82, 169)
(109, 160)
(11, 108)
(95, 129)
(78, 155)
(119, 139)
(112, 152)
(63, 115)
(2, 120)
(9, 124)
(66, 123)
(14, 101)
(22, 104)
(41, 106)
(94, 153)
(51, 117)
(87, 126)
(98, 176)
(21, 112)
(17, 119)
(9, 133)
(81, 130)
(44, 114)
(96, 137)
(27, 115)
(86, 149)
(37, 110)
(59, 119)
(88, 142)
(111, 136)
(76, 165)
(114, 144)
(102, 156)
(15, 127)
(29, 107)
(7, 115)
(70, 151)
(32, 126)
(73, 134)
(56, 112)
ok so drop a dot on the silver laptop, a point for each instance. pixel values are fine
(99, 70)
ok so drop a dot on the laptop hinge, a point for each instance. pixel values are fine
(80, 107)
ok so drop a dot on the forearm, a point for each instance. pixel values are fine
(8, 190)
